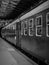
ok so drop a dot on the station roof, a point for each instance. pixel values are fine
(10, 9)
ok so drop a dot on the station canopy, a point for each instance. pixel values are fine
(11, 9)
(7, 6)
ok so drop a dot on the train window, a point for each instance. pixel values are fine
(25, 28)
(39, 26)
(22, 28)
(31, 29)
(47, 24)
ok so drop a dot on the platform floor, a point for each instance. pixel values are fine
(10, 56)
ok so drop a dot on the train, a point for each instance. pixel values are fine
(30, 31)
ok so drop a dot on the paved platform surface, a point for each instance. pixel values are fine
(9, 56)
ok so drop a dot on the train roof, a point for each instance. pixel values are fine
(36, 10)
(32, 7)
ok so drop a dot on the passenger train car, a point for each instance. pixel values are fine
(32, 31)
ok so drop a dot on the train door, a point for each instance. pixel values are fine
(18, 34)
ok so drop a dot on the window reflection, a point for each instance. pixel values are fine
(39, 26)
(31, 27)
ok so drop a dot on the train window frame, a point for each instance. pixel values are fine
(25, 28)
(47, 24)
(31, 26)
(40, 26)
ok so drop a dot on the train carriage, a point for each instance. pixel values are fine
(32, 31)
(35, 31)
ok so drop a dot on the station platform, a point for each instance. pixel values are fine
(11, 56)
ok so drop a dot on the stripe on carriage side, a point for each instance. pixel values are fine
(15, 21)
